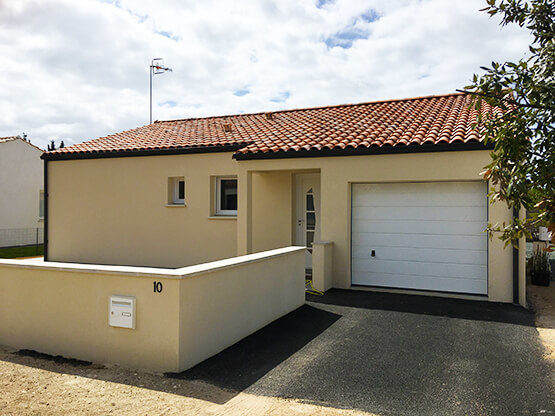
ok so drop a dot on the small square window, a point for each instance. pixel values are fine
(177, 191)
(226, 196)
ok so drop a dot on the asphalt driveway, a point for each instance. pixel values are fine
(393, 355)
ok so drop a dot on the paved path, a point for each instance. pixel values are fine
(394, 355)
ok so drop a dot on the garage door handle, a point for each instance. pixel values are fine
(373, 253)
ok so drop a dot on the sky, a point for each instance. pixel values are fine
(75, 70)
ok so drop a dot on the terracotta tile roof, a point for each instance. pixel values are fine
(8, 139)
(441, 119)
(163, 135)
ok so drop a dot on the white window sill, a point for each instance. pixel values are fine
(41, 219)
(176, 205)
(222, 217)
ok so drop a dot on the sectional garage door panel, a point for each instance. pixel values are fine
(425, 255)
(469, 242)
(432, 213)
(425, 236)
(436, 284)
(428, 227)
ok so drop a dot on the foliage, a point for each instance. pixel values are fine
(521, 172)
(538, 262)
(21, 251)
(52, 145)
(539, 268)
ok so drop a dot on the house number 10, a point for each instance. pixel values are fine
(158, 287)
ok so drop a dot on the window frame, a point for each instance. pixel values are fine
(218, 197)
(174, 188)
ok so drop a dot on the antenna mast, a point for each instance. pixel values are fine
(156, 67)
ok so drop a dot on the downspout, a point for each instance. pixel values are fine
(516, 299)
(45, 242)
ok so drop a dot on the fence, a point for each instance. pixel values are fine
(13, 237)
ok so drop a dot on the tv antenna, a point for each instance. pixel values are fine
(156, 67)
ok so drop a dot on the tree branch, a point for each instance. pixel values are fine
(512, 102)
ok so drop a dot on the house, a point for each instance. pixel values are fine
(21, 190)
(385, 195)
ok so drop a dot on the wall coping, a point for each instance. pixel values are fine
(161, 273)
(322, 243)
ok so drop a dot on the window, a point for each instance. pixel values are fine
(177, 191)
(41, 204)
(226, 196)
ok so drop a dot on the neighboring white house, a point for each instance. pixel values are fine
(21, 192)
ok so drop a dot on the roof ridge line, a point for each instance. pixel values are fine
(291, 110)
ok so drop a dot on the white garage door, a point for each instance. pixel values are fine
(426, 236)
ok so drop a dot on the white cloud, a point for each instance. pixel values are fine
(76, 70)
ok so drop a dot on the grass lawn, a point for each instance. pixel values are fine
(21, 251)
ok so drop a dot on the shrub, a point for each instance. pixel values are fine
(539, 267)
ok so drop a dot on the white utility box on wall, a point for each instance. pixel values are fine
(122, 311)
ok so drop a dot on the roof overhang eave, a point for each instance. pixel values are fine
(141, 152)
(373, 150)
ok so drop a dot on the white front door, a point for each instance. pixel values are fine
(308, 212)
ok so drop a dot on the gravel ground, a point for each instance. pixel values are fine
(542, 300)
(37, 386)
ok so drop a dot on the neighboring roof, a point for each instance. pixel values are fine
(12, 138)
(360, 128)
(8, 139)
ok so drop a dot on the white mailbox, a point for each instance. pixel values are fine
(122, 311)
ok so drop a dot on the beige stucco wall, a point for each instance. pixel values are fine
(62, 308)
(322, 265)
(337, 176)
(272, 211)
(114, 211)
(66, 313)
(21, 179)
(220, 308)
